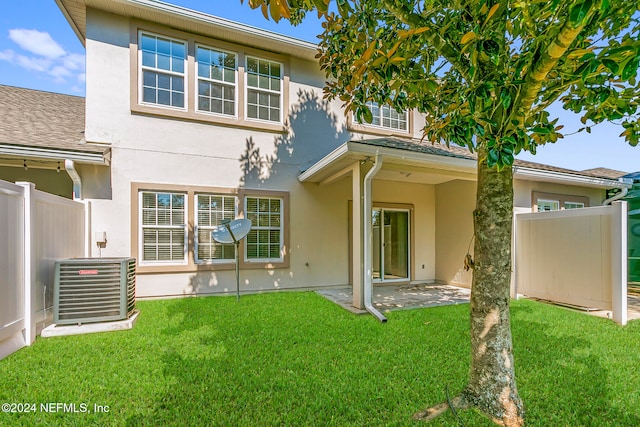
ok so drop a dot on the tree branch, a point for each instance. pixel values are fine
(444, 48)
(547, 58)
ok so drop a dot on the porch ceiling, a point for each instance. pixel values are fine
(424, 164)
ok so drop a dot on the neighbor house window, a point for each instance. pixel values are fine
(264, 241)
(264, 89)
(573, 205)
(163, 227)
(548, 205)
(163, 70)
(553, 202)
(387, 117)
(216, 81)
(211, 210)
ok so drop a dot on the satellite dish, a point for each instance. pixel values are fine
(231, 231)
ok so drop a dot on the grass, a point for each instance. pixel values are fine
(297, 359)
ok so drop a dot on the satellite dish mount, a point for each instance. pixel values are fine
(233, 231)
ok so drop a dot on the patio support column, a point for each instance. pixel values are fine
(357, 237)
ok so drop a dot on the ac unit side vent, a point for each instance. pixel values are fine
(94, 290)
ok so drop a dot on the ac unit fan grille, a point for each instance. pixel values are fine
(94, 290)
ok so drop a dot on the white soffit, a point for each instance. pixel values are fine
(188, 20)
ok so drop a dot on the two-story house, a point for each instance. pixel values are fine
(206, 119)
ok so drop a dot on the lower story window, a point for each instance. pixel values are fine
(173, 226)
(212, 209)
(264, 241)
(164, 231)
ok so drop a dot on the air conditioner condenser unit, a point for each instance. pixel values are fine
(94, 290)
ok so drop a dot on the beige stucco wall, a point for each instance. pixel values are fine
(455, 202)
(165, 151)
(147, 149)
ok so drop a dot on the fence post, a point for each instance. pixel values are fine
(619, 262)
(29, 266)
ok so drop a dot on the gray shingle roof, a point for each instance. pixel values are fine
(463, 153)
(43, 119)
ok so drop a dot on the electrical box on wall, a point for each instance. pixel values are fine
(100, 236)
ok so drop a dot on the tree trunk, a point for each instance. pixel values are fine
(492, 385)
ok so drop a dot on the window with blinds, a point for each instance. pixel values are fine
(264, 241)
(211, 210)
(163, 231)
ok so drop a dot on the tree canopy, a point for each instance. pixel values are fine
(483, 72)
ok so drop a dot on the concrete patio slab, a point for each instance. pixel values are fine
(401, 297)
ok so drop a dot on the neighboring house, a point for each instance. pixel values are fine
(42, 141)
(206, 119)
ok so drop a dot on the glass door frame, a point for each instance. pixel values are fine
(380, 247)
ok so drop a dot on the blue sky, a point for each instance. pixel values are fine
(39, 50)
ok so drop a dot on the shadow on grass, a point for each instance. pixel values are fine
(297, 359)
(562, 376)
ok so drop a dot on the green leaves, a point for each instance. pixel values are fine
(500, 153)
(579, 12)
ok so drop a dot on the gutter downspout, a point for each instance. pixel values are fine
(620, 195)
(368, 240)
(77, 182)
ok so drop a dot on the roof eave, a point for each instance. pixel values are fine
(276, 41)
(565, 178)
(359, 150)
(96, 158)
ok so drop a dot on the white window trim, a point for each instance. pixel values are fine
(256, 227)
(197, 227)
(381, 117)
(142, 68)
(247, 87)
(141, 227)
(197, 79)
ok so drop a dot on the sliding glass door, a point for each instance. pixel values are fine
(390, 244)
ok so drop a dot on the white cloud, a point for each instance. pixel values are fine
(73, 61)
(33, 63)
(7, 55)
(60, 74)
(37, 42)
(47, 56)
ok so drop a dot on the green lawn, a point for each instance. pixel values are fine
(297, 359)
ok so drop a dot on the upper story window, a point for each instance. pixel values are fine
(264, 89)
(387, 117)
(163, 70)
(217, 86)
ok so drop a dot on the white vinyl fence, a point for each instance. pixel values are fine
(576, 257)
(36, 229)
